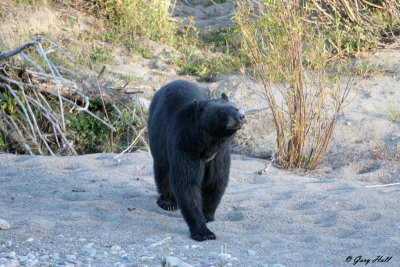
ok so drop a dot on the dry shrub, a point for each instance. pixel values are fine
(357, 24)
(301, 83)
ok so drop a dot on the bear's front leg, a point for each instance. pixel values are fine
(186, 180)
(215, 181)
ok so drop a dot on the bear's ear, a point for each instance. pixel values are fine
(225, 97)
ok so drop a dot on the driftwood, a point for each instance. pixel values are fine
(28, 88)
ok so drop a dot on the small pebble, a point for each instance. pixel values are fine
(44, 257)
(88, 246)
(150, 240)
(70, 258)
(348, 123)
(126, 258)
(9, 262)
(22, 258)
(184, 264)
(224, 256)
(147, 258)
(172, 261)
(12, 254)
(82, 239)
(91, 253)
(4, 225)
(30, 256)
(29, 240)
(278, 265)
(8, 243)
(55, 256)
(251, 252)
(115, 248)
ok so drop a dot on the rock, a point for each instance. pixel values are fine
(22, 258)
(55, 256)
(82, 239)
(224, 256)
(88, 246)
(126, 258)
(4, 225)
(147, 258)
(29, 240)
(30, 256)
(9, 262)
(44, 257)
(8, 243)
(172, 261)
(115, 248)
(184, 264)
(30, 262)
(12, 254)
(251, 252)
(70, 258)
(91, 253)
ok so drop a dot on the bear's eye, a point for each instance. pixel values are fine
(222, 113)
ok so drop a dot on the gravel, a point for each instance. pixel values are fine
(93, 253)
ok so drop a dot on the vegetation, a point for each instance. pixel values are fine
(302, 85)
(297, 49)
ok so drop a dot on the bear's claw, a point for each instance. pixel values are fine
(168, 205)
(203, 235)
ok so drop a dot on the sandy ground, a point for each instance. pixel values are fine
(276, 218)
(94, 210)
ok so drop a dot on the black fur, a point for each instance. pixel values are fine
(190, 139)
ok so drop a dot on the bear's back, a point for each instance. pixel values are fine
(173, 96)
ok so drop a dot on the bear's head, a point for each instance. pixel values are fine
(219, 118)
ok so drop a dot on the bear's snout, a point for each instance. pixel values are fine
(240, 117)
(236, 122)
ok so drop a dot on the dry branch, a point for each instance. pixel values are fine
(27, 87)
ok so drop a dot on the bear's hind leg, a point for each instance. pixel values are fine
(166, 200)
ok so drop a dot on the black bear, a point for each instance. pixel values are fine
(190, 138)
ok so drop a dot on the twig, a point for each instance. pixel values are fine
(23, 109)
(102, 100)
(34, 64)
(41, 51)
(62, 50)
(255, 109)
(19, 49)
(382, 185)
(131, 145)
(269, 165)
